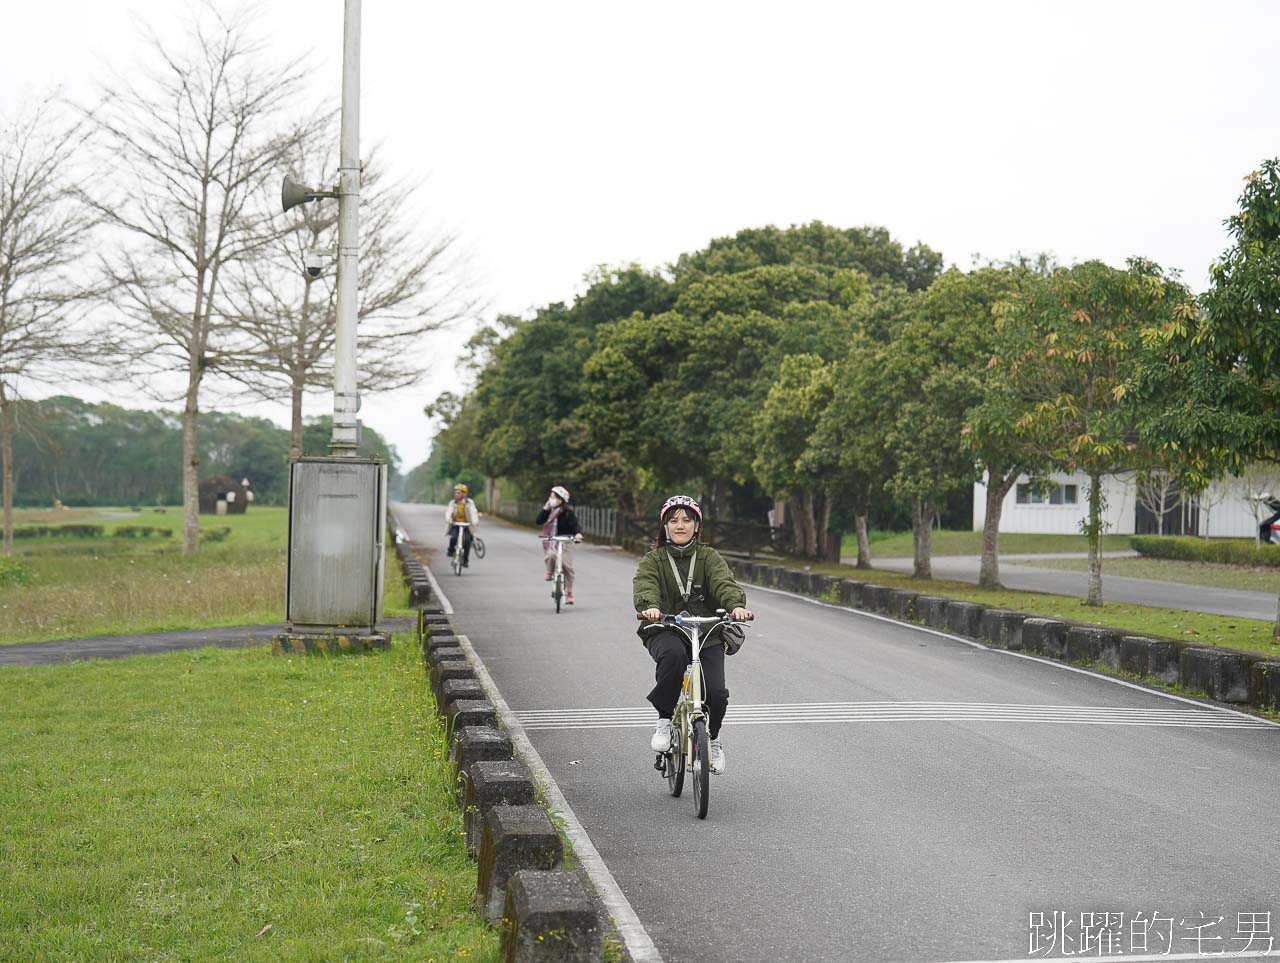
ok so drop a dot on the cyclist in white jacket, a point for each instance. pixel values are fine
(461, 509)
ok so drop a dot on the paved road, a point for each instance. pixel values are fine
(891, 794)
(1020, 572)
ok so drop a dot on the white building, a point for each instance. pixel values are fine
(1224, 510)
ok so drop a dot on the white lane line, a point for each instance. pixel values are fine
(1017, 655)
(1145, 958)
(871, 712)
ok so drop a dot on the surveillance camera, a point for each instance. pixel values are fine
(314, 263)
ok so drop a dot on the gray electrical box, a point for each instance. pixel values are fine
(337, 508)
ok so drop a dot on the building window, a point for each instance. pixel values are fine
(1055, 495)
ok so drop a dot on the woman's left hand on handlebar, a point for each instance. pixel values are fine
(742, 615)
(578, 537)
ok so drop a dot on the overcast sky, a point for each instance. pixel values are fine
(555, 137)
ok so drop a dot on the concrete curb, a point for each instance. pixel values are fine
(545, 911)
(1244, 679)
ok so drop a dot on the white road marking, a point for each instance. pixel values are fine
(828, 712)
(1144, 958)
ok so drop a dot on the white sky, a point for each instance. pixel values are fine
(558, 136)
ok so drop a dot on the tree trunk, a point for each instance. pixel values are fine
(864, 544)
(6, 451)
(989, 568)
(926, 512)
(810, 526)
(190, 470)
(797, 526)
(1094, 531)
(779, 512)
(824, 523)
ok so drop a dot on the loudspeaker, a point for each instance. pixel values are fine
(292, 193)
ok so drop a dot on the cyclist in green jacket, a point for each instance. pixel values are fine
(683, 575)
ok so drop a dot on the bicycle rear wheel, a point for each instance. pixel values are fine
(477, 546)
(701, 768)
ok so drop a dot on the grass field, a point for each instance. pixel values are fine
(76, 588)
(229, 804)
(898, 544)
(1170, 570)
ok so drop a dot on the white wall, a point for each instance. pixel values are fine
(1118, 510)
(1228, 516)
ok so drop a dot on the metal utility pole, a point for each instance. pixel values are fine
(345, 398)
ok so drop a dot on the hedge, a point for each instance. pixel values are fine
(1226, 551)
(65, 531)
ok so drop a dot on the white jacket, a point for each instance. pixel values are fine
(473, 516)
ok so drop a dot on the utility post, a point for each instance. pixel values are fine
(338, 504)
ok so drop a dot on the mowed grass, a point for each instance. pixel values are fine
(78, 588)
(230, 804)
(1171, 570)
(898, 544)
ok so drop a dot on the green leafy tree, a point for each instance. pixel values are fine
(1070, 348)
(784, 462)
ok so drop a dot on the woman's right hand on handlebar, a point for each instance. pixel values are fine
(649, 615)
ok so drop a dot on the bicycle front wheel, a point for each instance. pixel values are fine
(675, 761)
(558, 592)
(701, 768)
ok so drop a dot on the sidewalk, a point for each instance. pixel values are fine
(154, 643)
(1115, 588)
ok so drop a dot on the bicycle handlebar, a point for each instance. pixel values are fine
(559, 538)
(692, 620)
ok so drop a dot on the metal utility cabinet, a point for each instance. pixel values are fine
(337, 512)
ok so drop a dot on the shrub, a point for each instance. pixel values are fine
(214, 534)
(62, 531)
(13, 572)
(141, 531)
(1225, 551)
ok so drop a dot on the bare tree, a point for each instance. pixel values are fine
(44, 231)
(1157, 491)
(411, 284)
(196, 137)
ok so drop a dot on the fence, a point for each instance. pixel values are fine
(733, 538)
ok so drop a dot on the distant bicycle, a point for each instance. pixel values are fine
(557, 578)
(690, 745)
(455, 562)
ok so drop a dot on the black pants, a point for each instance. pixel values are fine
(466, 541)
(672, 653)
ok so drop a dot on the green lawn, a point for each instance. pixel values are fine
(230, 804)
(898, 544)
(75, 588)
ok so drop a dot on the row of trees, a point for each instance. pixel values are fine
(141, 239)
(68, 450)
(831, 372)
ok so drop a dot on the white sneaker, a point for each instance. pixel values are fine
(662, 734)
(717, 757)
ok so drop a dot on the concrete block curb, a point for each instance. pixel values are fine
(472, 744)
(964, 618)
(873, 597)
(514, 838)
(454, 689)
(901, 604)
(1046, 637)
(470, 712)
(489, 783)
(1221, 675)
(1264, 684)
(1089, 643)
(1002, 627)
(456, 670)
(548, 918)
(931, 610)
(851, 593)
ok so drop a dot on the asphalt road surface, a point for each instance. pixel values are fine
(891, 794)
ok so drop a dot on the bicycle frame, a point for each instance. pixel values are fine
(558, 575)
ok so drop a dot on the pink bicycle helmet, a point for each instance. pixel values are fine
(681, 501)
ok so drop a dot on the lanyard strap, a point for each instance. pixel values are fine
(688, 585)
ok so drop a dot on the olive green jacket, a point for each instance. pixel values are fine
(714, 587)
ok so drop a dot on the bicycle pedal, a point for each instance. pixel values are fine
(660, 763)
